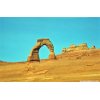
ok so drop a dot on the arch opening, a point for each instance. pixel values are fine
(34, 55)
(44, 52)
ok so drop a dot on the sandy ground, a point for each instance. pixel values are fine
(65, 68)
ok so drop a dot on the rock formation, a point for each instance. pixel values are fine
(34, 56)
(73, 47)
(93, 47)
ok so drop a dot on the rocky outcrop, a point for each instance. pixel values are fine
(34, 56)
(93, 47)
(73, 47)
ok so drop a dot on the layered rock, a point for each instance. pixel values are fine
(73, 47)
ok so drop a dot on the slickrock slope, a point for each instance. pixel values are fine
(79, 64)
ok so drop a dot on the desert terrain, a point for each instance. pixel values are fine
(75, 66)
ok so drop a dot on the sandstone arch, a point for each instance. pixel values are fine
(34, 55)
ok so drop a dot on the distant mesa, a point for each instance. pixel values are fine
(73, 47)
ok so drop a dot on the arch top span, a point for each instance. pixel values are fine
(34, 55)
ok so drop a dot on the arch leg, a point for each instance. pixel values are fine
(52, 56)
(34, 57)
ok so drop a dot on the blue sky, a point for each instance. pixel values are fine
(18, 35)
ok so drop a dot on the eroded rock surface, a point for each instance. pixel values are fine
(73, 47)
(34, 55)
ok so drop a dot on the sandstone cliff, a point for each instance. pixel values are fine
(79, 51)
(73, 47)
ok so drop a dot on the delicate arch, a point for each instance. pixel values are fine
(34, 55)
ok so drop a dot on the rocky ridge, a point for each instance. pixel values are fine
(79, 51)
